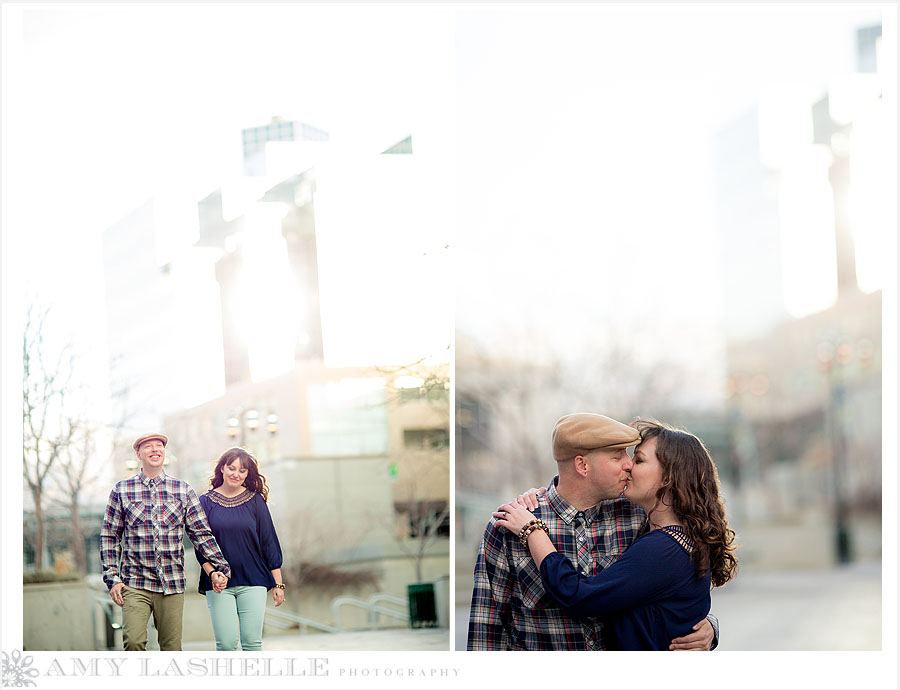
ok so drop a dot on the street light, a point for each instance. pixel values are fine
(247, 420)
(748, 391)
(834, 361)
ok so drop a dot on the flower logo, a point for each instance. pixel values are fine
(17, 671)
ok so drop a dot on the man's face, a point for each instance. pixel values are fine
(152, 454)
(608, 472)
(646, 475)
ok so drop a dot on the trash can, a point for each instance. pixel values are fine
(422, 612)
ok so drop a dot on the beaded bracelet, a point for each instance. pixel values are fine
(534, 528)
(531, 527)
(522, 531)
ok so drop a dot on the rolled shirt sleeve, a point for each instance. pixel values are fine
(714, 622)
(197, 527)
(110, 540)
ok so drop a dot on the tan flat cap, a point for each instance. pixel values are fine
(151, 437)
(578, 433)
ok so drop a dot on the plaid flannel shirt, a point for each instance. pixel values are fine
(511, 610)
(142, 539)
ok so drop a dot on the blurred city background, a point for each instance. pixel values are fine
(249, 247)
(687, 215)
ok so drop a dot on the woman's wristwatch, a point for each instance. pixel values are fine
(279, 585)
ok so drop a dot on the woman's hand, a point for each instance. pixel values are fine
(218, 580)
(278, 596)
(530, 498)
(513, 517)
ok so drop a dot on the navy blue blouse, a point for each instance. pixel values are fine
(649, 596)
(245, 533)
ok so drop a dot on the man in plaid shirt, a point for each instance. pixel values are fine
(142, 548)
(589, 523)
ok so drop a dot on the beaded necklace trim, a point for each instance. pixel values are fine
(225, 502)
(677, 533)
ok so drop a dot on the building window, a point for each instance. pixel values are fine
(348, 417)
(430, 390)
(426, 439)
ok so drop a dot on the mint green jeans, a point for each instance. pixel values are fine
(237, 611)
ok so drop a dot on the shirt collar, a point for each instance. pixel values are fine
(567, 512)
(152, 481)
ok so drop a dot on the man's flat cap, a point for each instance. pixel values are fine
(151, 437)
(582, 432)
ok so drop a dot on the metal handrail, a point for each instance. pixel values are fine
(391, 599)
(107, 606)
(372, 607)
(284, 621)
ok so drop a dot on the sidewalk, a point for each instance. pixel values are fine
(824, 609)
(395, 639)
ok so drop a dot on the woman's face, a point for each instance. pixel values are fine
(646, 475)
(234, 474)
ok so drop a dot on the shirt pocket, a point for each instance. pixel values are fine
(172, 515)
(533, 594)
(603, 560)
(135, 513)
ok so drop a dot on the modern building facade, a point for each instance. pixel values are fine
(804, 393)
(358, 469)
(161, 324)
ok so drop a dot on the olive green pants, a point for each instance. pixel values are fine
(167, 610)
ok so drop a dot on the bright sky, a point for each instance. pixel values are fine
(587, 124)
(114, 104)
(591, 204)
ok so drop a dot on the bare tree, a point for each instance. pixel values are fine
(78, 467)
(427, 382)
(504, 409)
(418, 499)
(72, 478)
(47, 429)
(507, 405)
(421, 459)
(305, 545)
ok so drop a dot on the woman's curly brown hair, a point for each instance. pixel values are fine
(690, 485)
(254, 481)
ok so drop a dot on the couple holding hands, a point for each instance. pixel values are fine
(142, 551)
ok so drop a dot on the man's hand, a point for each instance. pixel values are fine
(115, 593)
(218, 580)
(699, 641)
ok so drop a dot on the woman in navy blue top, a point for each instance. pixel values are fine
(659, 588)
(240, 521)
